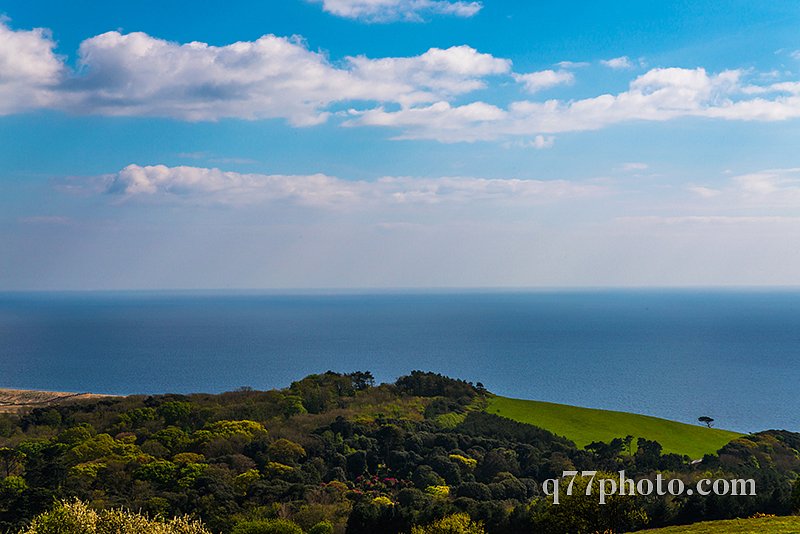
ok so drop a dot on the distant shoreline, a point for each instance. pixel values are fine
(18, 400)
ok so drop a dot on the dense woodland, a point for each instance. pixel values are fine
(337, 453)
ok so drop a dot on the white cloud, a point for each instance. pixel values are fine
(618, 63)
(767, 189)
(704, 192)
(136, 74)
(572, 64)
(543, 141)
(272, 77)
(435, 74)
(390, 10)
(29, 69)
(216, 186)
(544, 79)
(635, 166)
(660, 94)
(773, 187)
(421, 96)
(439, 121)
(539, 142)
(204, 185)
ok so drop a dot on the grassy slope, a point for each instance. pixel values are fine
(762, 525)
(584, 425)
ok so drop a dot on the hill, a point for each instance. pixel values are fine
(338, 453)
(761, 525)
(585, 425)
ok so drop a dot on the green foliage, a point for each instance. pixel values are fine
(187, 474)
(184, 458)
(158, 471)
(246, 479)
(323, 527)
(11, 461)
(103, 446)
(277, 469)
(227, 429)
(286, 451)
(363, 459)
(292, 405)
(469, 463)
(450, 420)
(173, 438)
(12, 486)
(425, 384)
(174, 412)
(318, 393)
(269, 526)
(137, 417)
(438, 491)
(579, 513)
(77, 518)
(383, 500)
(453, 524)
(88, 470)
(77, 434)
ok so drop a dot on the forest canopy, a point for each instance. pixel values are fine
(335, 452)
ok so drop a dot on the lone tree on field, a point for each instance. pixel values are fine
(707, 420)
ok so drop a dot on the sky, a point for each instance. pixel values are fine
(300, 144)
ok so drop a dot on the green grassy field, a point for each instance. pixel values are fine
(762, 525)
(585, 425)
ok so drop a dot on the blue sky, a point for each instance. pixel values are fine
(398, 143)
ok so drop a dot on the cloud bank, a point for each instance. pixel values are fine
(214, 186)
(272, 77)
(660, 94)
(419, 97)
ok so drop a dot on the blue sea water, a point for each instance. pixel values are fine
(731, 355)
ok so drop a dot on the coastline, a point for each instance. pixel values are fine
(14, 401)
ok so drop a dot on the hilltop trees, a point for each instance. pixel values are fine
(706, 420)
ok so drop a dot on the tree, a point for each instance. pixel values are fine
(286, 451)
(11, 461)
(362, 380)
(706, 420)
(796, 496)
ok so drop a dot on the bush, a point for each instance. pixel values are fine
(452, 524)
(77, 518)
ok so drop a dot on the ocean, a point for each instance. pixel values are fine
(678, 354)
